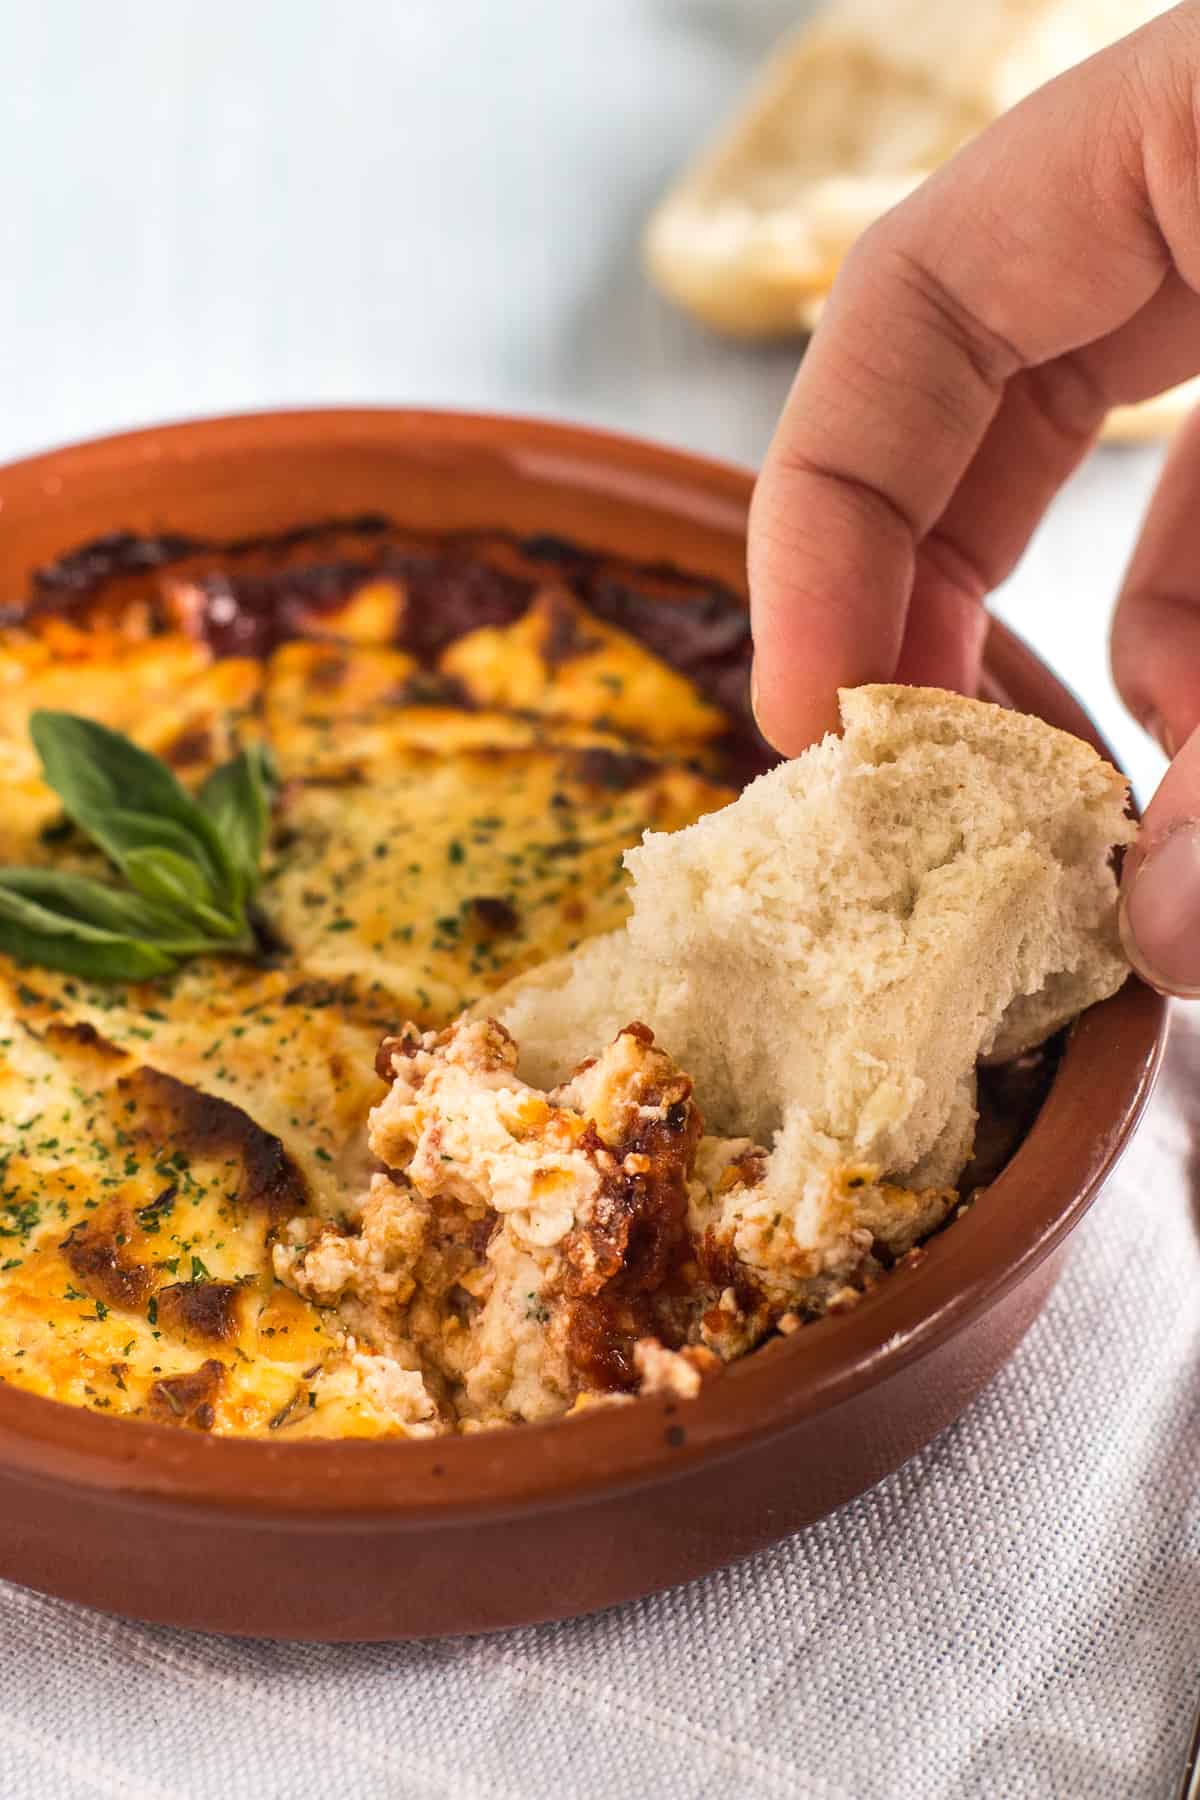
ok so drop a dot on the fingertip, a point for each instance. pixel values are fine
(1159, 912)
(792, 714)
(945, 638)
(830, 567)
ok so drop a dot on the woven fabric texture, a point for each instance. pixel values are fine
(1016, 1612)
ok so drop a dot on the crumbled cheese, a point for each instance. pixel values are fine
(522, 1253)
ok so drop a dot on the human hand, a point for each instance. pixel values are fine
(969, 352)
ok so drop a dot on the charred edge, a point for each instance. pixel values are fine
(99, 1254)
(128, 552)
(612, 586)
(320, 993)
(82, 570)
(100, 559)
(451, 592)
(205, 1125)
(349, 775)
(430, 687)
(192, 748)
(492, 916)
(616, 771)
(241, 614)
(201, 1309)
(366, 524)
(81, 1034)
(565, 638)
(187, 1400)
(328, 673)
(696, 625)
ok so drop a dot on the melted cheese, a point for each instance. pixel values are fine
(558, 663)
(464, 870)
(438, 830)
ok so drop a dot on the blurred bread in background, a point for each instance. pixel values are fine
(850, 114)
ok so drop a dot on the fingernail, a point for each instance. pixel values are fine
(1160, 913)
(1162, 734)
(754, 694)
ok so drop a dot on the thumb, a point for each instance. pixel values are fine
(1160, 889)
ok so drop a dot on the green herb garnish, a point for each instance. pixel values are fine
(189, 864)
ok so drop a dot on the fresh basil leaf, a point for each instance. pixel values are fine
(97, 772)
(120, 830)
(92, 902)
(190, 864)
(34, 934)
(173, 881)
(237, 798)
(166, 876)
(125, 836)
(115, 909)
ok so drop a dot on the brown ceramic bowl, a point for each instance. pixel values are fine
(385, 1540)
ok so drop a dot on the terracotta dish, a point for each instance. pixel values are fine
(375, 1540)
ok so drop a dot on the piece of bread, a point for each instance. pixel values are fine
(851, 113)
(831, 955)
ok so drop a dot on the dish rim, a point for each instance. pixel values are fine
(607, 1449)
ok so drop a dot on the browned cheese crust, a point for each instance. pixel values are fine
(471, 730)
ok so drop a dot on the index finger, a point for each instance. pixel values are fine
(1045, 235)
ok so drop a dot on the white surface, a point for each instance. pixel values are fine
(213, 206)
(1013, 1616)
(207, 206)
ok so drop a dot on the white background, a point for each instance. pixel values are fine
(213, 206)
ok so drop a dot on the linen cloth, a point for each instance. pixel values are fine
(1016, 1612)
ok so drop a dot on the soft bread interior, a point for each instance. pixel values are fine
(831, 955)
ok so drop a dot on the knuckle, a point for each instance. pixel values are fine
(909, 337)
(1069, 397)
(992, 358)
(962, 566)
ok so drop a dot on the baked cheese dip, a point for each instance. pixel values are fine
(469, 732)
(525, 1253)
(851, 964)
(501, 1060)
